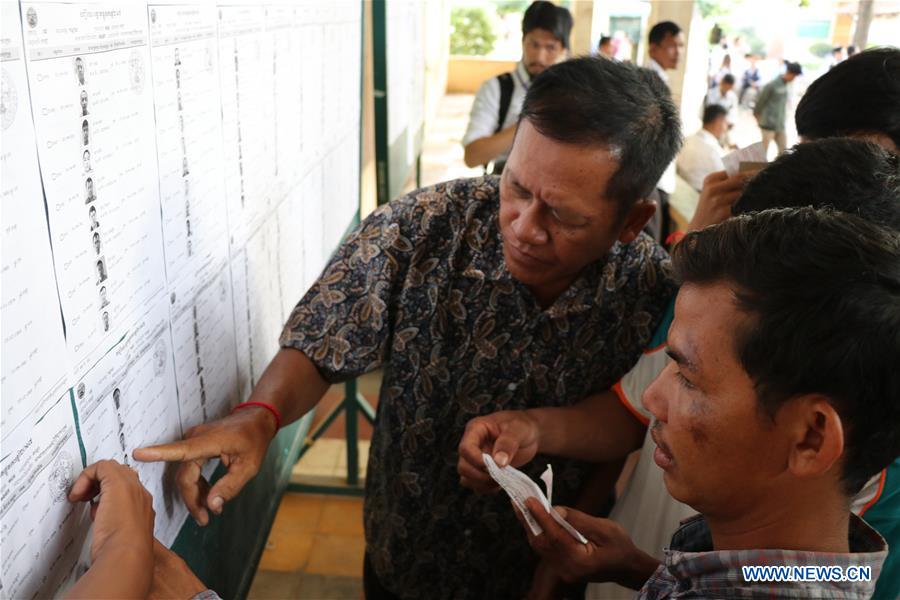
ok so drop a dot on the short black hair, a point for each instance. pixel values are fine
(604, 39)
(860, 94)
(822, 289)
(546, 15)
(597, 102)
(728, 78)
(849, 175)
(793, 67)
(659, 31)
(713, 112)
(837, 49)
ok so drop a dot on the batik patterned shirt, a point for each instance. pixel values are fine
(421, 289)
(693, 569)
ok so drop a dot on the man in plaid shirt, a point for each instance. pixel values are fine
(778, 405)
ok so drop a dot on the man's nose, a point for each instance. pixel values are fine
(544, 57)
(529, 228)
(654, 397)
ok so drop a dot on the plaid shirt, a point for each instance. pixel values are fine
(693, 569)
(421, 288)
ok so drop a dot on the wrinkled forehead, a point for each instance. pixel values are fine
(548, 167)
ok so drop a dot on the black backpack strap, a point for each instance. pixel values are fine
(506, 91)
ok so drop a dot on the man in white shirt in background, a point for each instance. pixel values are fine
(666, 43)
(495, 112)
(702, 152)
(606, 48)
(724, 95)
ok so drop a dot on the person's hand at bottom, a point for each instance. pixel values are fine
(172, 578)
(122, 546)
(609, 555)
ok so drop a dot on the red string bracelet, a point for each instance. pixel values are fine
(674, 238)
(268, 407)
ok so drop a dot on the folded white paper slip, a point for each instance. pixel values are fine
(754, 153)
(519, 487)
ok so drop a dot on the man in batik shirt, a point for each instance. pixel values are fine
(474, 296)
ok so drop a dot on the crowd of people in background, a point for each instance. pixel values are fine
(739, 95)
(735, 82)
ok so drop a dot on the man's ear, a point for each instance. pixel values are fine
(817, 435)
(876, 137)
(638, 216)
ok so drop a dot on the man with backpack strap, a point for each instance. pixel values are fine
(495, 112)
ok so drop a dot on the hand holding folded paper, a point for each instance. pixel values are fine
(520, 487)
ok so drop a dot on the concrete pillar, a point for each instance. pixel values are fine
(863, 22)
(583, 15)
(688, 82)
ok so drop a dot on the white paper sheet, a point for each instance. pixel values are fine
(290, 251)
(755, 153)
(263, 297)
(312, 207)
(519, 487)
(246, 80)
(203, 339)
(128, 400)
(312, 74)
(89, 63)
(240, 301)
(339, 194)
(282, 26)
(184, 54)
(406, 77)
(42, 532)
(33, 358)
(240, 120)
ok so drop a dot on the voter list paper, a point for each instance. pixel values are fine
(519, 487)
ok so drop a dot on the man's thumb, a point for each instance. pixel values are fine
(505, 449)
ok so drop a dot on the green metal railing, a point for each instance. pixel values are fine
(351, 406)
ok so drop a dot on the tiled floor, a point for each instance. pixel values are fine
(315, 549)
(316, 546)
